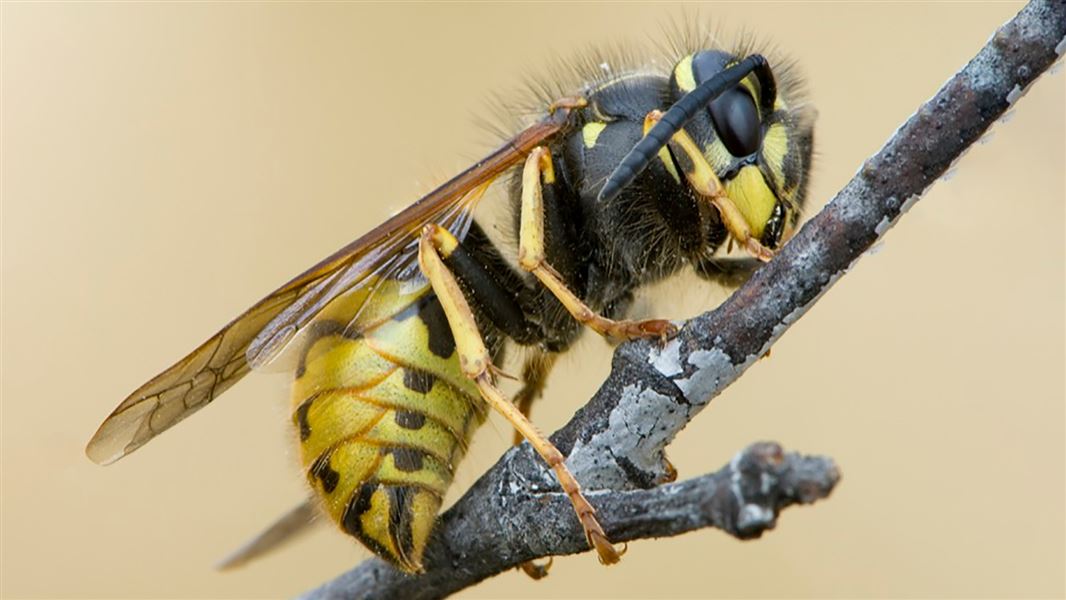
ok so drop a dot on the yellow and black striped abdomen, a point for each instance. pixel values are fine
(384, 418)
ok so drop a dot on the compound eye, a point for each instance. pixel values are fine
(737, 122)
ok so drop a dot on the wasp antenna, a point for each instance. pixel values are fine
(680, 113)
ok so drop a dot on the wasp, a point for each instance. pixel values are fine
(628, 179)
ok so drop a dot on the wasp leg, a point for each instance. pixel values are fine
(705, 181)
(534, 376)
(531, 257)
(477, 365)
(495, 290)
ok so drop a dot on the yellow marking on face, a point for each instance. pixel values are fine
(774, 150)
(748, 83)
(683, 74)
(591, 132)
(752, 197)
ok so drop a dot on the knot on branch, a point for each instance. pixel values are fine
(765, 480)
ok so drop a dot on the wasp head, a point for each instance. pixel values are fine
(758, 146)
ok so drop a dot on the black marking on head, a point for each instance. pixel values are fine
(406, 459)
(410, 420)
(358, 504)
(324, 472)
(431, 313)
(401, 513)
(301, 418)
(417, 380)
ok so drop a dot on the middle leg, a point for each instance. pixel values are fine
(532, 257)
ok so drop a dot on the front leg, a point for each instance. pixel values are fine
(531, 257)
(476, 364)
(705, 181)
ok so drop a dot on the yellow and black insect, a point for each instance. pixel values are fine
(634, 177)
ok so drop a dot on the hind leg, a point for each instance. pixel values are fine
(534, 377)
(435, 245)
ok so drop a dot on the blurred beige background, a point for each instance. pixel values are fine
(165, 165)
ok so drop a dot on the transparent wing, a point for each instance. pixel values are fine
(259, 334)
(344, 296)
(285, 529)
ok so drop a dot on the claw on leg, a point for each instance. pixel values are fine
(537, 570)
(671, 471)
(586, 514)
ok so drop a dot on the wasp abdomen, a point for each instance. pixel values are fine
(384, 417)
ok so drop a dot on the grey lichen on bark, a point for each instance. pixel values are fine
(615, 443)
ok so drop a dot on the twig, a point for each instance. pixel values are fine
(742, 499)
(616, 441)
